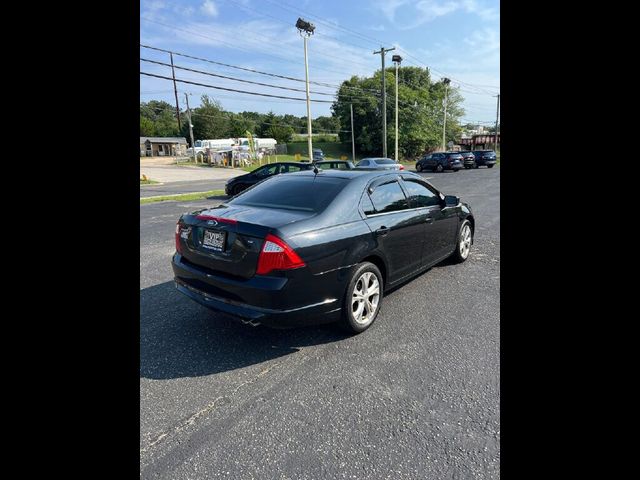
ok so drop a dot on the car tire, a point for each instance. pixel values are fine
(419, 167)
(463, 245)
(456, 169)
(237, 189)
(489, 166)
(476, 166)
(362, 318)
(439, 168)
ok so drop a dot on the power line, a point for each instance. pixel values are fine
(233, 78)
(261, 41)
(284, 77)
(231, 89)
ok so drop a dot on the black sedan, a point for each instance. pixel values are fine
(236, 185)
(315, 248)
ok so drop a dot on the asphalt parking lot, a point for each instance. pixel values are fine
(415, 396)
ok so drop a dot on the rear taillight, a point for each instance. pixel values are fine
(178, 246)
(277, 255)
(401, 167)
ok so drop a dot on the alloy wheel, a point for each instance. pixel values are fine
(465, 240)
(365, 298)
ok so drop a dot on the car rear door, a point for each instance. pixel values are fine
(398, 230)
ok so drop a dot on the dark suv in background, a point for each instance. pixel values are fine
(468, 159)
(440, 161)
(485, 157)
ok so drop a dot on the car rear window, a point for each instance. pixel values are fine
(385, 161)
(293, 192)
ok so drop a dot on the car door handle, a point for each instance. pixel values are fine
(382, 231)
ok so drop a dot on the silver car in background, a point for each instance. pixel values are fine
(379, 163)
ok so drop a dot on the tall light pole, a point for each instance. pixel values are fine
(497, 113)
(446, 82)
(193, 145)
(397, 59)
(382, 51)
(306, 30)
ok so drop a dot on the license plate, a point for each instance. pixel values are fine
(214, 240)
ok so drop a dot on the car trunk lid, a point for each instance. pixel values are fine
(227, 239)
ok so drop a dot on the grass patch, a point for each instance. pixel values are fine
(148, 181)
(184, 197)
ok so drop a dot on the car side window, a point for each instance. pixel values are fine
(389, 197)
(363, 163)
(267, 171)
(367, 206)
(289, 168)
(419, 194)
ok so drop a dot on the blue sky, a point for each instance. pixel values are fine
(459, 39)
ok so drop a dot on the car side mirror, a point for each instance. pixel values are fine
(451, 201)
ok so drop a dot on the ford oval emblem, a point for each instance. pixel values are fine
(212, 222)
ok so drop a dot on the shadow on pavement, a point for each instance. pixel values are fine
(179, 338)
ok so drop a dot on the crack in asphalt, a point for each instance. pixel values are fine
(222, 400)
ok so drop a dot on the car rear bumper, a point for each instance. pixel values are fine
(276, 302)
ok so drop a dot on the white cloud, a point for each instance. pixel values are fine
(425, 11)
(209, 8)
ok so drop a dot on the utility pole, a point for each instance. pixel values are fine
(175, 91)
(306, 29)
(497, 113)
(397, 59)
(444, 124)
(193, 145)
(353, 142)
(384, 100)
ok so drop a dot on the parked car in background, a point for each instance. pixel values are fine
(318, 155)
(468, 159)
(313, 248)
(487, 158)
(379, 164)
(236, 185)
(335, 165)
(440, 161)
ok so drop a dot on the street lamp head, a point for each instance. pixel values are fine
(304, 26)
(396, 58)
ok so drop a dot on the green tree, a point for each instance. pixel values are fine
(239, 124)
(147, 127)
(163, 117)
(272, 126)
(209, 120)
(420, 111)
